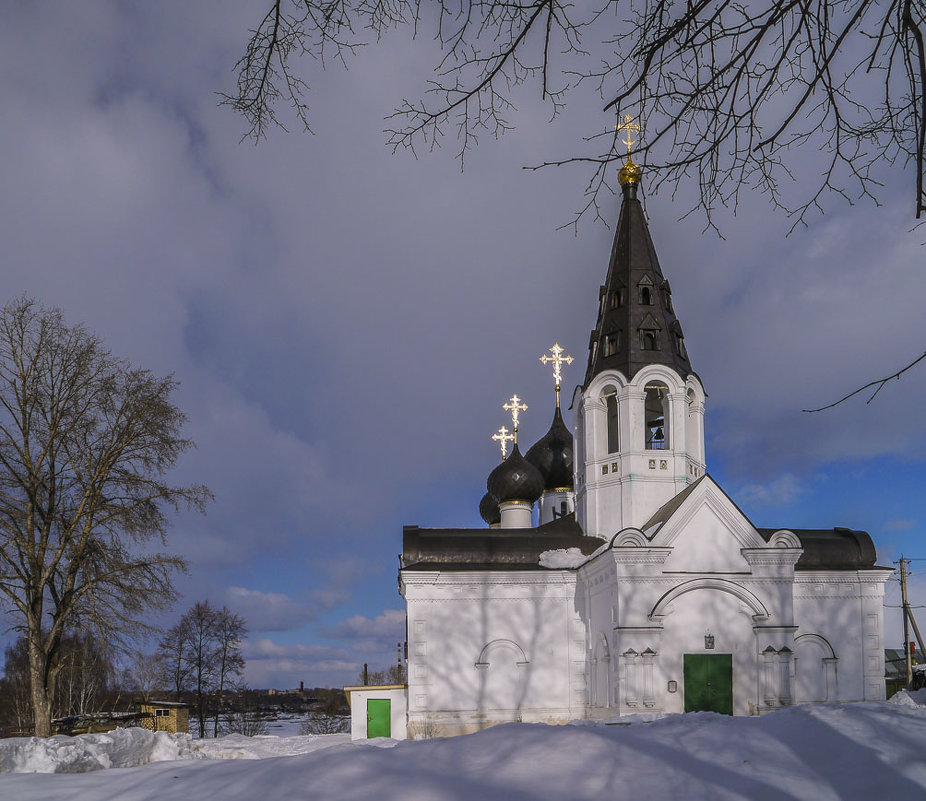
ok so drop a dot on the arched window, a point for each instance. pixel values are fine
(646, 296)
(657, 416)
(649, 339)
(613, 427)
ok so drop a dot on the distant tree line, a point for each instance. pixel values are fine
(88, 680)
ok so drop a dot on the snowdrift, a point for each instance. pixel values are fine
(127, 748)
(122, 748)
(852, 752)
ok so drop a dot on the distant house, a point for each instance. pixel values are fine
(169, 716)
(895, 670)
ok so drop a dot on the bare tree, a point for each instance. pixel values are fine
(85, 443)
(245, 721)
(201, 624)
(87, 680)
(230, 630)
(174, 661)
(724, 89)
(393, 674)
(147, 673)
(15, 698)
(88, 676)
(202, 656)
(324, 723)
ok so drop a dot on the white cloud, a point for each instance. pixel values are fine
(270, 664)
(900, 524)
(374, 637)
(391, 622)
(781, 491)
(270, 611)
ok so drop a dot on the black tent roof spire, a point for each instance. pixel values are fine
(636, 322)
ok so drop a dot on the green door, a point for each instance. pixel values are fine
(378, 717)
(709, 683)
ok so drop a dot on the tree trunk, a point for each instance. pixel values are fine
(41, 692)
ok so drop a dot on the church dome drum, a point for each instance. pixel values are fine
(552, 455)
(515, 479)
(488, 510)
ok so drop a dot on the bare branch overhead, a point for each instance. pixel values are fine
(726, 91)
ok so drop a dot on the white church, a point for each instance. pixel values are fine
(643, 588)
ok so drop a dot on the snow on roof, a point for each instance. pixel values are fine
(163, 703)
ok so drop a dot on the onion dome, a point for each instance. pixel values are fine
(515, 479)
(488, 509)
(552, 455)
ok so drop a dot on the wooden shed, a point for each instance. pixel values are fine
(170, 716)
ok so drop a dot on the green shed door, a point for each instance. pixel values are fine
(709, 683)
(379, 716)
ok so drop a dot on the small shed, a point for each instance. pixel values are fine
(170, 716)
(378, 711)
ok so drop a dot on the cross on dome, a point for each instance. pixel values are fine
(515, 406)
(557, 360)
(628, 127)
(502, 437)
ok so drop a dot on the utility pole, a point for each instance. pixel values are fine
(906, 620)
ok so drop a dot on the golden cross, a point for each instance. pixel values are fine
(628, 127)
(515, 406)
(558, 360)
(503, 438)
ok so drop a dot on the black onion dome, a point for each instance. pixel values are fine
(552, 455)
(488, 509)
(515, 479)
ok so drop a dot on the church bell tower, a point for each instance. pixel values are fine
(640, 415)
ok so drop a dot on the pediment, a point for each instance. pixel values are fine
(706, 532)
(650, 323)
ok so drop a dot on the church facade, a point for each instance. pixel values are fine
(643, 588)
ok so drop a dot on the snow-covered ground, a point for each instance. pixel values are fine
(853, 752)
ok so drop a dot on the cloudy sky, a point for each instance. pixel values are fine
(346, 323)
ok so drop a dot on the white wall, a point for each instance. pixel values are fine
(490, 647)
(845, 609)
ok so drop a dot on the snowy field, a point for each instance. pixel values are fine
(854, 752)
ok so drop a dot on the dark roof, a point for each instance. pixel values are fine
(831, 548)
(515, 479)
(552, 455)
(494, 549)
(634, 268)
(669, 508)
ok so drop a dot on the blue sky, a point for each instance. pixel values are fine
(346, 323)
